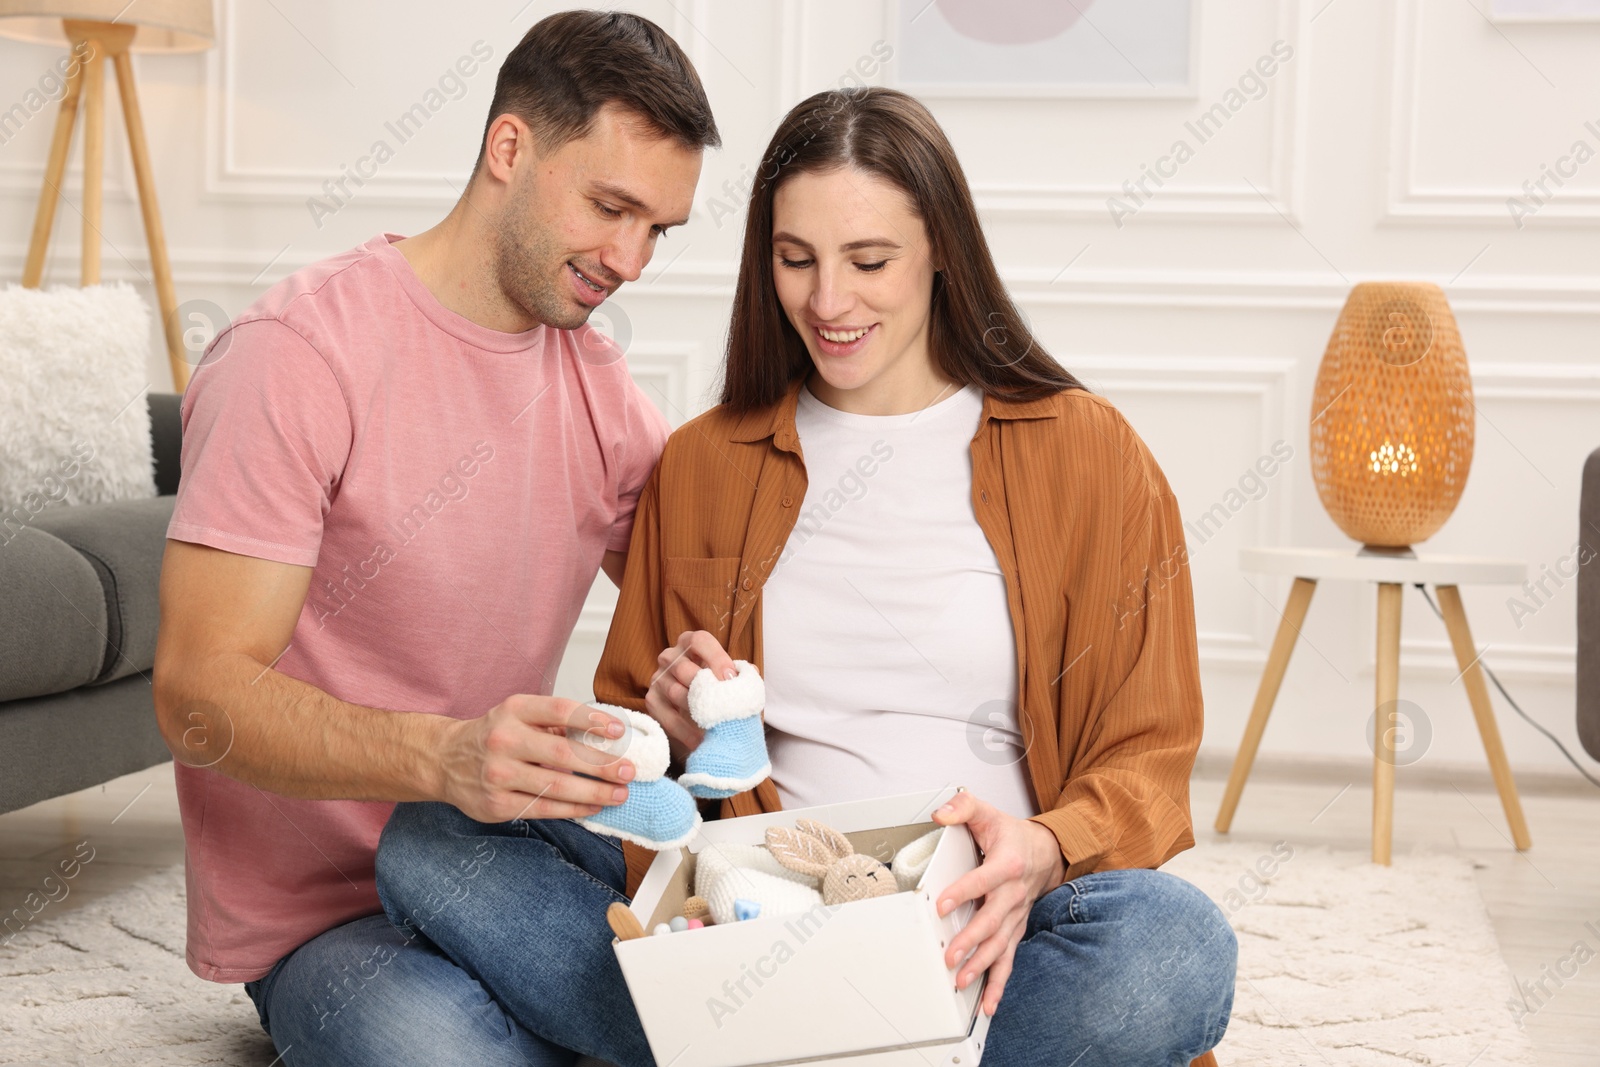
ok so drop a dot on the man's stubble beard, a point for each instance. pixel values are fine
(529, 271)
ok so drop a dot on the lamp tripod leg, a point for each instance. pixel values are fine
(55, 171)
(160, 265)
(94, 158)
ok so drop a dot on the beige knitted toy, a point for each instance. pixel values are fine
(821, 851)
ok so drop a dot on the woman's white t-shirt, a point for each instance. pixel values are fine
(889, 657)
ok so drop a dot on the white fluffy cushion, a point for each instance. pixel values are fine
(74, 428)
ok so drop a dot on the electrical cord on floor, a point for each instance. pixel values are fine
(1515, 707)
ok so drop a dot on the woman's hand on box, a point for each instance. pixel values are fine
(668, 698)
(1022, 861)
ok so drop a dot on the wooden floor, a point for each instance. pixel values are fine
(1544, 902)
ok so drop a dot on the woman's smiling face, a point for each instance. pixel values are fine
(852, 268)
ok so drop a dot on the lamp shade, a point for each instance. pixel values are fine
(1392, 415)
(164, 25)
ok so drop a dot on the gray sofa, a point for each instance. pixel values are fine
(78, 614)
(1589, 608)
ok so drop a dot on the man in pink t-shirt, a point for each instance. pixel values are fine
(402, 469)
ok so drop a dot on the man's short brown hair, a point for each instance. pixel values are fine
(569, 65)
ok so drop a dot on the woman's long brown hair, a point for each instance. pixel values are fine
(976, 334)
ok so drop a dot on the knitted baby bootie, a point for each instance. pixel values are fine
(733, 756)
(658, 813)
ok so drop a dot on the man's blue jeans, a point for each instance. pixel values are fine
(496, 950)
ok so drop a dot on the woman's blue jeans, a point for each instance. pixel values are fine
(495, 950)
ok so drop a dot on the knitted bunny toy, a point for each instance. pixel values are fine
(823, 852)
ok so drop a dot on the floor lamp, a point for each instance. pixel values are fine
(99, 30)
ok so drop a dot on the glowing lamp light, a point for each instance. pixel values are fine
(1394, 459)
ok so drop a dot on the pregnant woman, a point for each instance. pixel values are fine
(954, 566)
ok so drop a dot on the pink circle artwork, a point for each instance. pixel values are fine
(1011, 21)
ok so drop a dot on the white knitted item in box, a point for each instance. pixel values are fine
(911, 862)
(716, 859)
(776, 896)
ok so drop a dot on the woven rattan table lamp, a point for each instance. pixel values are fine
(99, 30)
(1391, 445)
(1392, 415)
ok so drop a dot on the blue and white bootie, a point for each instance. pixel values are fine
(658, 814)
(733, 756)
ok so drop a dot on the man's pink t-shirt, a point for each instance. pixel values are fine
(453, 489)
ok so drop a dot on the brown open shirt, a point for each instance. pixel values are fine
(1089, 537)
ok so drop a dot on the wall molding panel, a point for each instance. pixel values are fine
(1409, 200)
(1542, 295)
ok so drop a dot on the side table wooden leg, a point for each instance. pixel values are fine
(1384, 725)
(1455, 620)
(1294, 613)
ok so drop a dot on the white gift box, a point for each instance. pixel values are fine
(861, 984)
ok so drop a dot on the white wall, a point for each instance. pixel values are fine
(1386, 148)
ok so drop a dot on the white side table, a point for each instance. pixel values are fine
(1392, 571)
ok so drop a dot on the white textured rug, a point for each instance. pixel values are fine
(106, 984)
(1341, 963)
